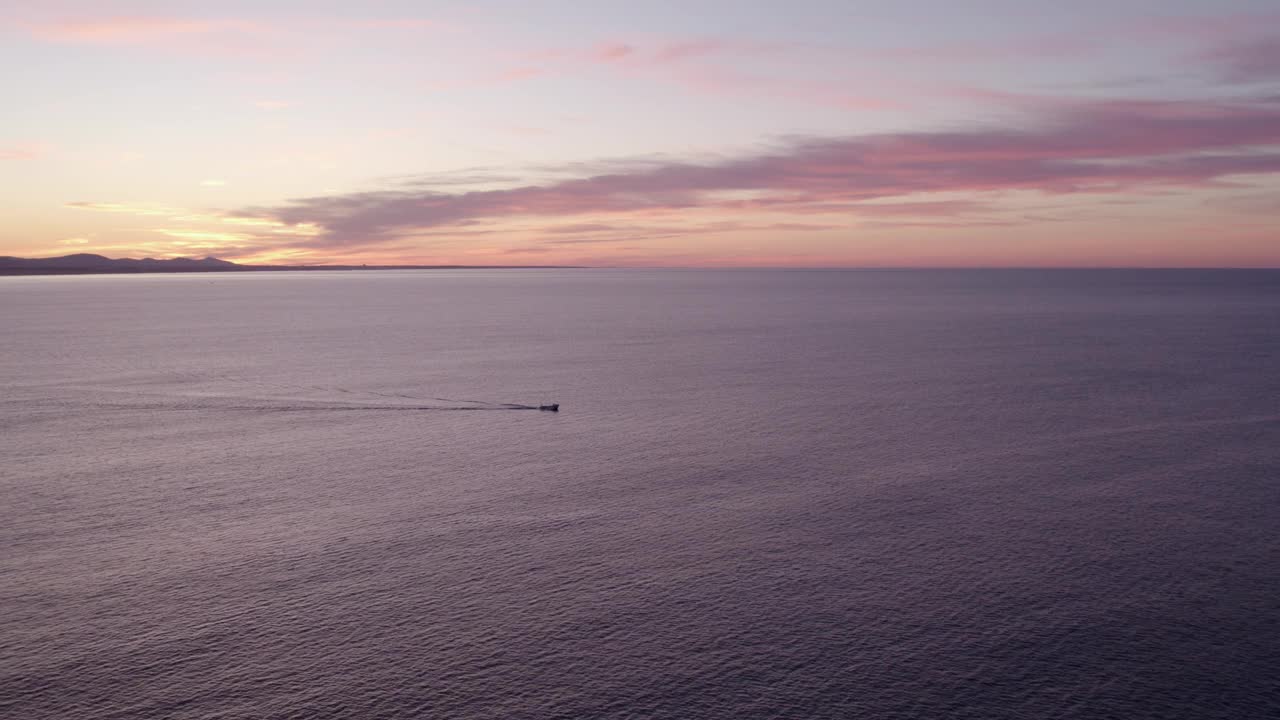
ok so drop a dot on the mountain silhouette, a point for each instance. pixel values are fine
(88, 263)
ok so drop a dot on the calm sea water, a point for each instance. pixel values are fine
(807, 494)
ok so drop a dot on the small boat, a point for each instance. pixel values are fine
(553, 407)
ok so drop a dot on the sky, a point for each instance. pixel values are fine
(810, 133)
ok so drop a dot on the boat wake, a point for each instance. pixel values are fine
(181, 400)
(228, 393)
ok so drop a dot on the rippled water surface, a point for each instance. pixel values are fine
(804, 494)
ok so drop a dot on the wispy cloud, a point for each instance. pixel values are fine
(600, 233)
(611, 52)
(1255, 60)
(1267, 204)
(407, 24)
(136, 29)
(705, 65)
(669, 51)
(1098, 147)
(870, 76)
(140, 209)
(185, 232)
(1213, 26)
(216, 36)
(23, 151)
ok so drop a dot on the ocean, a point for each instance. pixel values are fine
(987, 494)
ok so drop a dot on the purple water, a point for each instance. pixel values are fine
(768, 494)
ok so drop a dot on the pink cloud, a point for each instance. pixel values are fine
(725, 64)
(917, 208)
(1206, 27)
(941, 224)
(596, 233)
(397, 24)
(1054, 46)
(675, 51)
(1250, 61)
(687, 63)
(579, 228)
(721, 81)
(518, 73)
(1148, 30)
(1253, 204)
(215, 37)
(231, 36)
(135, 29)
(23, 151)
(664, 52)
(1098, 147)
(1194, 29)
(611, 52)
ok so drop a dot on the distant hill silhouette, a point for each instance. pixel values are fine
(88, 263)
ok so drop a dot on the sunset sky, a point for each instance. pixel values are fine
(692, 133)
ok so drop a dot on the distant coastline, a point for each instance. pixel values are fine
(90, 264)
